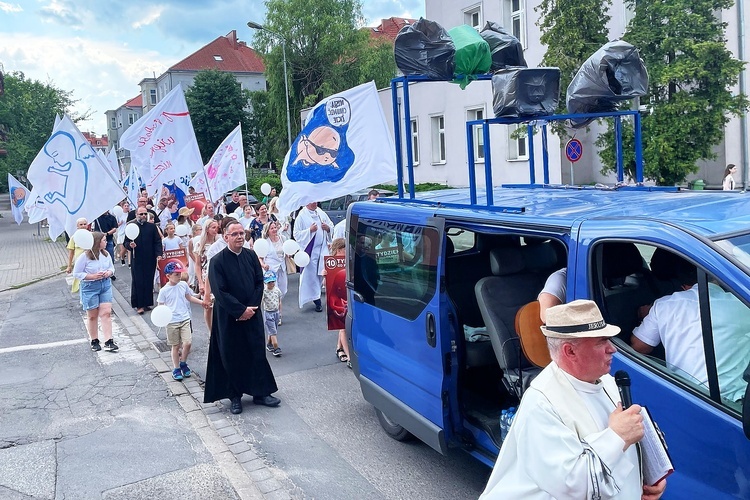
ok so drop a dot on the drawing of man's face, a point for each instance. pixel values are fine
(18, 194)
(320, 147)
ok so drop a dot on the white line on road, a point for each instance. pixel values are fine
(48, 345)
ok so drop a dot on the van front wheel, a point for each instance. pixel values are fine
(392, 428)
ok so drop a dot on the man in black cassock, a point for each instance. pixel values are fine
(145, 250)
(237, 361)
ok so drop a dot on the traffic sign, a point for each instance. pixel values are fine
(574, 150)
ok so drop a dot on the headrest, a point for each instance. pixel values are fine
(505, 261)
(540, 257)
(621, 259)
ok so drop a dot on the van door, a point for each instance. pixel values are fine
(699, 412)
(400, 351)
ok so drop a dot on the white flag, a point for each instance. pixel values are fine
(133, 182)
(344, 146)
(71, 180)
(162, 143)
(114, 164)
(225, 170)
(19, 194)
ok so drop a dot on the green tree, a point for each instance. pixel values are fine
(326, 51)
(691, 73)
(217, 104)
(263, 147)
(27, 114)
(572, 30)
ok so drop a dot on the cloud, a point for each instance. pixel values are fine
(10, 8)
(63, 13)
(150, 18)
(375, 10)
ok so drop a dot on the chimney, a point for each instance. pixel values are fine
(232, 37)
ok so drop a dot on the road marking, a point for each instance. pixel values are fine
(49, 345)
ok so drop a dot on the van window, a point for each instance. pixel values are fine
(669, 310)
(395, 266)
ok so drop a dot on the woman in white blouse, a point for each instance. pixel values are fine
(94, 269)
(275, 260)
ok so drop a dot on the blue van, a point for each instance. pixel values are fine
(436, 282)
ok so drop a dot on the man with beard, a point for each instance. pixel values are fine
(237, 361)
(145, 250)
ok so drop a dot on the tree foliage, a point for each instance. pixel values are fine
(691, 73)
(326, 52)
(217, 104)
(572, 30)
(263, 146)
(27, 114)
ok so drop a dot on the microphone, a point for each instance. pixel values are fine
(622, 379)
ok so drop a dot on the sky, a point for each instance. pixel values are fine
(100, 50)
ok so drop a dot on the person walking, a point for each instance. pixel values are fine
(209, 238)
(261, 219)
(94, 269)
(120, 252)
(275, 260)
(312, 230)
(177, 296)
(728, 184)
(144, 251)
(237, 361)
(107, 224)
(272, 311)
(75, 251)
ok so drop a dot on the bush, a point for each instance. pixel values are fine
(254, 183)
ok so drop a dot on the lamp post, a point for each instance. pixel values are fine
(257, 26)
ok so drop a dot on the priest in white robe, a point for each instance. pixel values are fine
(571, 437)
(312, 230)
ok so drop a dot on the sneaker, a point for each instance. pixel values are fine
(110, 345)
(122, 262)
(279, 323)
(186, 372)
(95, 345)
(269, 347)
(177, 374)
(276, 352)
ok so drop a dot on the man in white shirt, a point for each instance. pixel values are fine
(571, 437)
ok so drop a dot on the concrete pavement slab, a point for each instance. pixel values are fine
(29, 469)
(201, 482)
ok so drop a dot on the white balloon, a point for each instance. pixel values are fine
(117, 211)
(291, 247)
(132, 230)
(161, 316)
(261, 247)
(84, 239)
(181, 230)
(301, 259)
(265, 188)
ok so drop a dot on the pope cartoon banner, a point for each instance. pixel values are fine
(335, 291)
(162, 143)
(19, 194)
(171, 258)
(344, 146)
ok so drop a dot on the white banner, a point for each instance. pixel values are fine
(19, 194)
(225, 170)
(133, 183)
(344, 146)
(70, 179)
(162, 143)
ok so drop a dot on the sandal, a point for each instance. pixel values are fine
(342, 355)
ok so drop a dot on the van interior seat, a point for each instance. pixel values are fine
(626, 285)
(500, 296)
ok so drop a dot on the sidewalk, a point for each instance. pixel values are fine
(79, 424)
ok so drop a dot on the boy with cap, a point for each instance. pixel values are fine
(271, 311)
(176, 295)
(571, 437)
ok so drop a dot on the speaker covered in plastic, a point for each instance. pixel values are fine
(525, 92)
(425, 48)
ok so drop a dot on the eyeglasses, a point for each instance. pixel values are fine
(236, 234)
(321, 150)
(143, 214)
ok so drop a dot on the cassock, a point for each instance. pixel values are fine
(237, 361)
(316, 246)
(143, 264)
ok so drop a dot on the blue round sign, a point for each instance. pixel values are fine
(574, 150)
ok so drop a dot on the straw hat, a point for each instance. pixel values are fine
(185, 211)
(577, 319)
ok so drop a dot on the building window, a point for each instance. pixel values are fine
(218, 58)
(518, 142)
(153, 96)
(518, 20)
(132, 118)
(471, 115)
(473, 17)
(113, 122)
(438, 139)
(414, 142)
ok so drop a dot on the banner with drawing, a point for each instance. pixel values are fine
(171, 257)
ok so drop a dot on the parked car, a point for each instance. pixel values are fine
(336, 207)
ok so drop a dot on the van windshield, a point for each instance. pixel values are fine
(739, 247)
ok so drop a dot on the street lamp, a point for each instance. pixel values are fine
(257, 26)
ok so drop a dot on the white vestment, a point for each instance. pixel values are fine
(544, 457)
(311, 279)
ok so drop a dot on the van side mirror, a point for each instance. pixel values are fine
(746, 403)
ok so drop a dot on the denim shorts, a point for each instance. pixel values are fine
(96, 292)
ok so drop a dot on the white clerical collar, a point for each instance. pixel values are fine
(582, 386)
(236, 253)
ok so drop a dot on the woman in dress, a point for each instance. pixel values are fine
(193, 242)
(275, 260)
(273, 211)
(256, 226)
(94, 269)
(729, 172)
